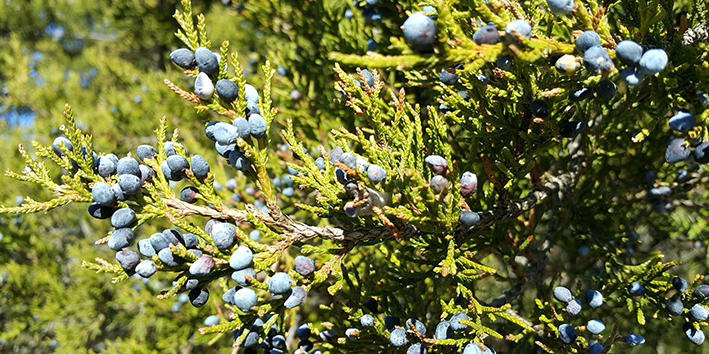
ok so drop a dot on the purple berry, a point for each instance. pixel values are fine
(468, 184)
(437, 164)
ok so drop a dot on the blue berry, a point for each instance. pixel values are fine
(698, 312)
(146, 268)
(634, 339)
(349, 160)
(630, 76)
(376, 173)
(198, 297)
(443, 330)
(567, 64)
(304, 265)
(606, 89)
(636, 289)
(475, 348)
(118, 192)
(683, 121)
(586, 40)
(420, 327)
(200, 166)
(241, 258)
(420, 32)
(303, 332)
(177, 165)
(352, 333)
(127, 259)
(397, 337)
(562, 7)
(539, 108)
(255, 235)
(223, 235)
(211, 320)
(594, 298)
(106, 167)
(100, 212)
(573, 307)
(146, 174)
(468, 184)
(128, 165)
(701, 291)
(368, 78)
(571, 129)
(457, 326)
(567, 333)
(183, 58)
(170, 148)
(129, 184)
(416, 348)
(486, 35)
(224, 150)
(505, 62)
(245, 299)
(468, 218)
(120, 238)
(521, 27)
(294, 297)
(145, 248)
(674, 306)
(629, 52)
(695, 336)
(239, 276)
(597, 60)
(367, 320)
(243, 128)
(653, 61)
(159, 241)
(596, 348)
(170, 259)
(680, 284)
(207, 62)
(580, 94)
(437, 164)
(595, 326)
(676, 151)
(371, 304)
(562, 294)
(288, 191)
(202, 266)
(226, 89)
(439, 183)
(280, 283)
(251, 96)
(225, 133)
(123, 217)
(390, 322)
(203, 86)
(239, 161)
(257, 126)
(448, 78)
(61, 142)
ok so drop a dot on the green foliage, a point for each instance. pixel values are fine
(554, 211)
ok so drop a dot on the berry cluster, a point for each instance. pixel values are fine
(400, 335)
(594, 299)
